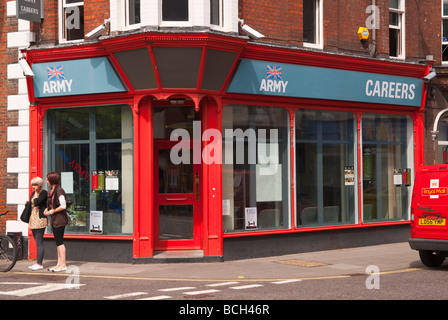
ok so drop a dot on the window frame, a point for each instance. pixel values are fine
(248, 171)
(350, 142)
(62, 5)
(444, 43)
(220, 15)
(401, 46)
(127, 24)
(407, 152)
(188, 23)
(319, 33)
(51, 145)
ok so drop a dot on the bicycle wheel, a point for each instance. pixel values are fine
(8, 253)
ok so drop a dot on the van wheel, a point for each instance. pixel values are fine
(431, 258)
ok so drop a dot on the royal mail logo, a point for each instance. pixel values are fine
(434, 191)
(274, 80)
(56, 81)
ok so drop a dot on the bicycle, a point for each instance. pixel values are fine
(8, 252)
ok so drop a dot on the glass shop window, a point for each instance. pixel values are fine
(92, 150)
(325, 168)
(255, 168)
(387, 155)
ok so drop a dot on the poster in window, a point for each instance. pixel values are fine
(268, 187)
(398, 177)
(226, 207)
(112, 181)
(96, 222)
(268, 173)
(349, 175)
(67, 181)
(251, 218)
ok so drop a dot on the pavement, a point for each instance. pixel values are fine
(387, 258)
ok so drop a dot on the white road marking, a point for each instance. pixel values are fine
(156, 298)
(23, 283)
(49, 287)
(177, 289)
(221, 284)
(247, 286)
(192, 293)
(126, 295)
(286, 281)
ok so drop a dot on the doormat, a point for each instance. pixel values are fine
(302, 263)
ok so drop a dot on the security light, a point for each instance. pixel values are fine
(429, 76)
(252, 33)
(26, 68)
(98, 31)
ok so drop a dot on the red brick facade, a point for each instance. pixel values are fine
(282, 23)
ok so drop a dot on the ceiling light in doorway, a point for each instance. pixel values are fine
(177, 101)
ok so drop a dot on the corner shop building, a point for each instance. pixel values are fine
(280, 150)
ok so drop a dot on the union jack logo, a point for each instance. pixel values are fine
(274, 72)
(55, 73)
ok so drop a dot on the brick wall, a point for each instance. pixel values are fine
(282, 22)
(3, 113)
(95, 13)
(423, 29)
(48, 32)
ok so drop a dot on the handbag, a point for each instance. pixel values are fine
(26, 213)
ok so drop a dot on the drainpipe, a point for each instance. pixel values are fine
(373, 45)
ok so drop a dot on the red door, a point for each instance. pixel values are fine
(178, 211)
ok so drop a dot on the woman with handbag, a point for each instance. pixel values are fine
(37, 220)
(56, 208)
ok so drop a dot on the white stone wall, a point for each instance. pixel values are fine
(20, 133)
(151, 15)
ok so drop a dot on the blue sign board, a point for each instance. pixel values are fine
(288, 80)
(75, 77)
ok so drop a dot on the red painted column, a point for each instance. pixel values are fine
(419, 127)
(212, 181)
(419, 138)
(35, 153)
(143, 179)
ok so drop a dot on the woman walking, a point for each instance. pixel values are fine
(56, 208)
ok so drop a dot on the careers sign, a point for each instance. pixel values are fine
(293, 80)
(31, 10)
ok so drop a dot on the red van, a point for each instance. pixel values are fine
(429, 212)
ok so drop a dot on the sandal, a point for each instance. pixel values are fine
(59, 269)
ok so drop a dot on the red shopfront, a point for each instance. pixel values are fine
(123, 107)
